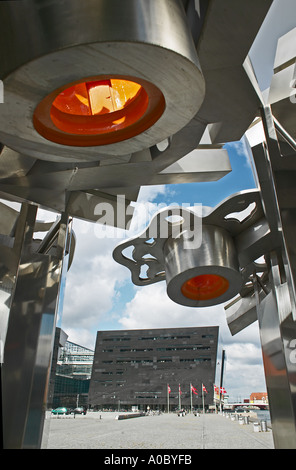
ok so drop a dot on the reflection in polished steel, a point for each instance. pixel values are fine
(30, 329)
(277, 330)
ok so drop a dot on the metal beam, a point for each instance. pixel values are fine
(30, 332)
(277, 332)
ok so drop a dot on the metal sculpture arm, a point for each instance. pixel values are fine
(236, 225)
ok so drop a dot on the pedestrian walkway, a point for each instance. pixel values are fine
(166, 431)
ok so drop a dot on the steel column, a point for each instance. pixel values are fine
(276, 312)
(30, 333)
(277, 332)
(279, 198)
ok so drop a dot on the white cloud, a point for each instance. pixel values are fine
(149, 193)
(94, 279)
(244, 372)
(151, 307)
(81, 336)
(91, 280)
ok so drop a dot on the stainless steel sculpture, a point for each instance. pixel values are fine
(116, 39)
(193, 245)
(75, 179)
(32, 276)
(274, 303)
(195, 96)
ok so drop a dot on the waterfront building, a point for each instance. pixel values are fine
(259, 398)
(154, 368)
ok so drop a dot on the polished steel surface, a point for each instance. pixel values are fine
(215, 255)
(276, 173)
(53, 24)
(242, 311)
(278, 332)
(129, 39)
(281, 94)
(58, 29)
(275, 170)
(46, 184)
(143, 254)
(217, 240)
(30, 332)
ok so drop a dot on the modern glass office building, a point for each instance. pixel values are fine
(154, 369)
(71, 372)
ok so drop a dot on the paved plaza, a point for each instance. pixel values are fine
(102, 430)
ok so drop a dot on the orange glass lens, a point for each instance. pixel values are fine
(97, 97)
(205, 287)
(99, 107)
(101, 111)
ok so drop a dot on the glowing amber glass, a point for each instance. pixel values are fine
(98, 107)
(101, 111)
(205, 287)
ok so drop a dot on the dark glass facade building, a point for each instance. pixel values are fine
(133, 368)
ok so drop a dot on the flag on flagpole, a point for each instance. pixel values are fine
(169, 389)
(216, 392)
(204, 389)
(194, 390)
(180, 393)
(222, 390)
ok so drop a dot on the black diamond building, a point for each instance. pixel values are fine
(134, 368)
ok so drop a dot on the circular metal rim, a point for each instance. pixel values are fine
(231, 275)
(164, 68)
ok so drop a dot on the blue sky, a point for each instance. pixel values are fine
(212, 193)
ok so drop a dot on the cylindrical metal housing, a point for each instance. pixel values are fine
(70, 41)
(213, 269)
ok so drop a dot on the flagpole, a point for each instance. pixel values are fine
(168, 398)
(203, 399)
(191, 396)
(179, 397)
(221, 378)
